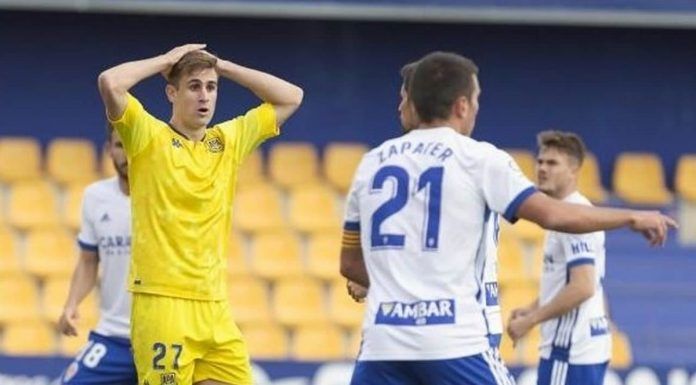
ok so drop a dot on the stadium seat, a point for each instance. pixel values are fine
(590, 180)
(343, 310)
(19, 299)
(266, 340)
(516, 295)
(293, 164)
(530, 347)
(621, 353)
(526, 160)
(511, 267)
(50, 253)
(28, 338)
(71, 160)
(685, 179)
(298, 301)
(340, 162)
(526, 231)
(323, 251)
(249, 300)
(508, 353)
(354, 343)
(318, 343)
(258, 208)
(32, 204)
(237, 264)
(55, 293)
(9, 253)
(250, 172)
(20, 159)
(313, 208)
(72, 205)
(275, 255)
(639, 179)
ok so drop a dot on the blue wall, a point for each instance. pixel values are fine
(622, 89)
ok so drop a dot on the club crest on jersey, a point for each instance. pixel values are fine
(599, 326)
(421, 313)
(176, 143)
(168, 378)
(215, 145)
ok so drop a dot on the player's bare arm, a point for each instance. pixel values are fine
(580, 287)
(552, 214)
(284, 96)
(115, 82)
(83, 280)
(353, 266)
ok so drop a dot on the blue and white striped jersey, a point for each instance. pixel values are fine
(580, 336)
(425, 205)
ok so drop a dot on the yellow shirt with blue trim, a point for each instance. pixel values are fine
(181, 194)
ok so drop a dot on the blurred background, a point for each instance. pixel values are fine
(620, 73)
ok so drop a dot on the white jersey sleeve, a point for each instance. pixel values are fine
(579, 249)
(352, 210)
(504, 185)
(87, 238)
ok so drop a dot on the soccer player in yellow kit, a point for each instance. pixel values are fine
(182, 176)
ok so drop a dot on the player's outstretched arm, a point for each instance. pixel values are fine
(283, 95)
(566, 217)
(115, 82)
(579, 288)
(84, 279)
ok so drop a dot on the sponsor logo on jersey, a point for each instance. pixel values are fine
(599, 326)
(168, 378)
(491, 293)
(580, 248)
(215, 145)
(421, 313)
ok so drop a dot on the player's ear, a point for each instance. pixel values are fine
(460, 107)
(170, 90)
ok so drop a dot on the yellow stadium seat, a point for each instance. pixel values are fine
(639, 179)
(527, 231)
(9, 256)
(590, 180)
(72, 206)
(323, 252)
(32, 205)
(313, 208)
(516, 295)
(237, 264)
(340, 162)
(318, 343)
(293, 164)
(55, 293)
(107, 165)
(71, 160)
(249, 300)
(275, 255)
(20, 159)
(298, 301)
(32, 338)
(511, 266)
(258, 208)
(354, 343)
(621, 353)
(526, 160)
(507, 351)
(530, 347)
(50, 253)
(250, 172)
(343, 310)
(266, 340)
(19, 299)
(685, 180)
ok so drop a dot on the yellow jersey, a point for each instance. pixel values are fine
(181, 198)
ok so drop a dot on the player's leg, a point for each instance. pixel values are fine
(384, 373)
(163, 334)
(104, 360)
(226, 359)
(486, 368)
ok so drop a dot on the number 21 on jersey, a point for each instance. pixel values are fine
(429, 183)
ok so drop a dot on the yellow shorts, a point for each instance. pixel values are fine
(181, 341)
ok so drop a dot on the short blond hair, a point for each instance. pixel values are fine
(569, 143)
(189, 63)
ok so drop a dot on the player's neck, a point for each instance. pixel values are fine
(565, 192)
(451, 123)
(123, 185)
(195, 134)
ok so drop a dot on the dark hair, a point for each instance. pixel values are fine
(438, 80)
(567, 142)
(192, 61)
(407, 74)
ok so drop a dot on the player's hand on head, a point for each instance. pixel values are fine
(356, 291)
(176, 53)
(67, 324)
(653, 225)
